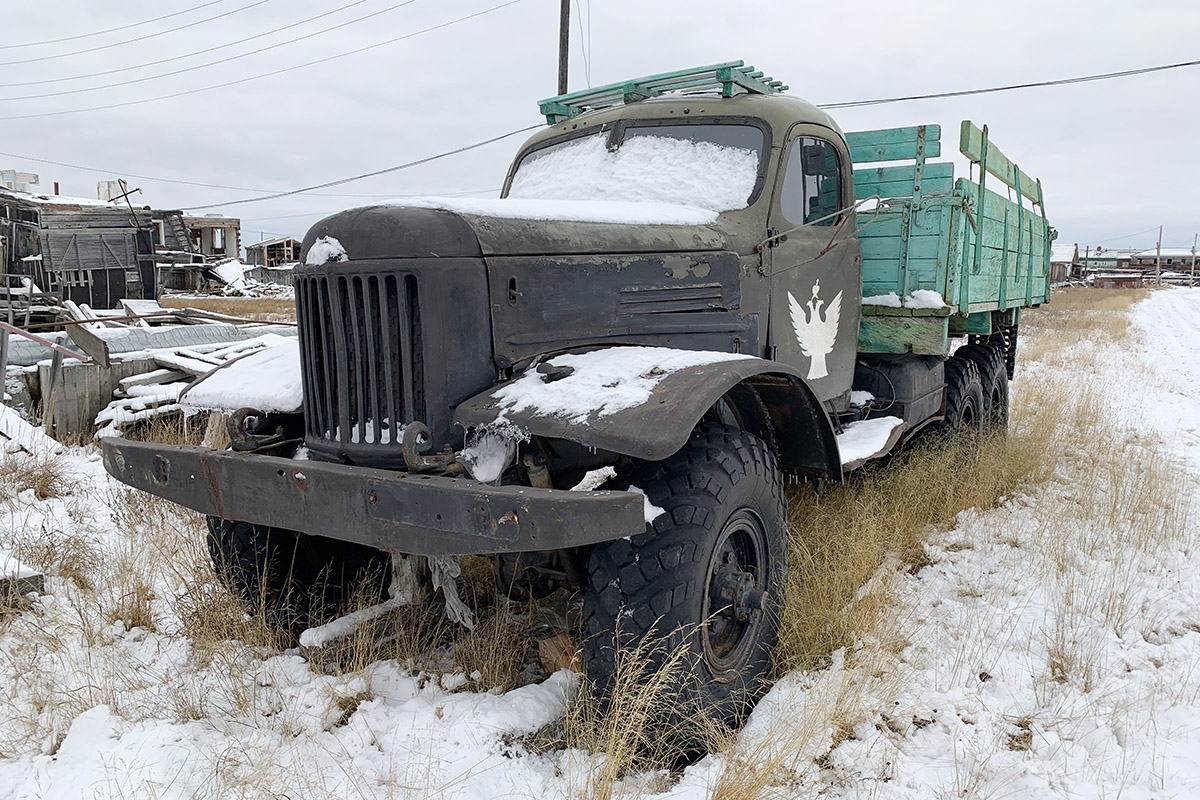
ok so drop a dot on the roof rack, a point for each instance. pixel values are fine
(729, 78)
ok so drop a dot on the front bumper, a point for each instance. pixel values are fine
(394, 511)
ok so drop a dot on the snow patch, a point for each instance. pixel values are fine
(488, 456)
(603, 382)
(924, 298)
(267, 379)
(891, 300)
(921, 298)
(858, 398)
(861, 440)
(605, 211)
(651, 511)
(644, 169)
(324, 250)
(11, 568)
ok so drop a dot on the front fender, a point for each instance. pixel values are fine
(644, 402)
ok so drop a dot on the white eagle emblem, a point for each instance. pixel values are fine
(816, 332)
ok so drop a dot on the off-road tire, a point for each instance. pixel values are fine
(964, 398)
(993, 378)
(294, 579)
(722, 494)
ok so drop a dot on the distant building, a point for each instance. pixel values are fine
(1175, 258)
(273, 253)
(1064, 262)
(1093, 259)
(215, 236)
(76, 249)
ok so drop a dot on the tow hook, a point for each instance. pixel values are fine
(415, 439)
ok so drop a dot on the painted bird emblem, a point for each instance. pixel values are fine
(816, 332)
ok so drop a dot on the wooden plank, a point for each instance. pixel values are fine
(970, 144)
(160, 375)
(188, 365)
(893, 144)
(901, 181)
(90, 343)
(921, 335)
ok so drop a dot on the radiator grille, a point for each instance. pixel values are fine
(361, 347)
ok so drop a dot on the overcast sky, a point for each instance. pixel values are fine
(1116, 158)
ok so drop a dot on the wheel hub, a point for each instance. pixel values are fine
(735, 595)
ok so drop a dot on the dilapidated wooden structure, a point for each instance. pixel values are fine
(85, 251)
(271, 253)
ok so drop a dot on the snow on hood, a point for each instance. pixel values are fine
(610, 211)
(324, 250)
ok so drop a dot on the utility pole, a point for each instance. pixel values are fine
(1158, 259)
(564, 44)
(1192, 280)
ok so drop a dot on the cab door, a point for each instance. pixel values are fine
(815, 263)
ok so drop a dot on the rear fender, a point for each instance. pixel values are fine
(660, 425)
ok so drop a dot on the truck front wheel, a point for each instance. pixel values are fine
(699, 592)
(294, 579)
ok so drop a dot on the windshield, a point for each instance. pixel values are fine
(712, 166)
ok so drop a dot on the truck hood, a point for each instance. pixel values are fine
(460, 227)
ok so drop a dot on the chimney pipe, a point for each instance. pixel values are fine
(56, 187)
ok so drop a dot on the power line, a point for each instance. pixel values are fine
(189, 55)
(396, 168)
(138, 39)
(228, 59)
(383, 196)
(267, 74)
(1060, 82)
(113, 30)
(158, 179)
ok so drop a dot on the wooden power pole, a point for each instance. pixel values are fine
(1192, 280)
(564, 43)
(1158, 259)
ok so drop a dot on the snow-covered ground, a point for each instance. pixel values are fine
(1050, 649)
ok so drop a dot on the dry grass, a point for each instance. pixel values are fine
(44, 472)
(1076, 316)
(260, 309)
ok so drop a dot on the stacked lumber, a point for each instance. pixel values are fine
(155, 393)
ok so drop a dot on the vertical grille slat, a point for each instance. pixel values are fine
(363, 360)
(371, 313)
(359, 409)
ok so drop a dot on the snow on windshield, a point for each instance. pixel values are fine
(645, 169)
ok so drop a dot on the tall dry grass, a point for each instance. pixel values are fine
(260, 309)
(851, 542)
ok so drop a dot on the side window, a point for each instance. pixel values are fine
(811, 183)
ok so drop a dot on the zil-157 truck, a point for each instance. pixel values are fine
(681, 302)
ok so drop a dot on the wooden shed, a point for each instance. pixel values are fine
(86, 251)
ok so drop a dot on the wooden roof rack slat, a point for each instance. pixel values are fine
(728, 78)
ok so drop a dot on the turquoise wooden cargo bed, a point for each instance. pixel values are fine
(984, 254)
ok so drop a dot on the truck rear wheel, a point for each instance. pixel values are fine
(296, 580)
(964, 397)
(706, 576)
(993, 379)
